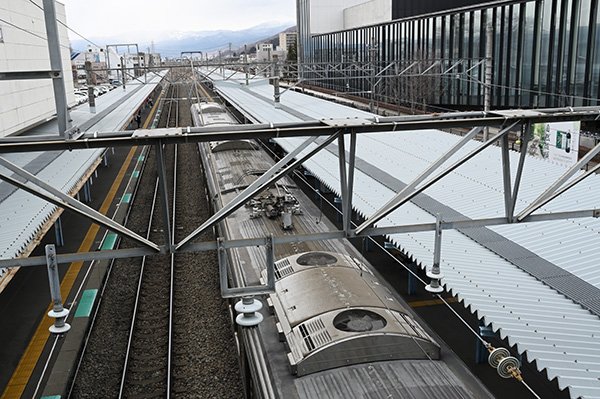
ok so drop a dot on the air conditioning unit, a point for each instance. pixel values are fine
(332, 312)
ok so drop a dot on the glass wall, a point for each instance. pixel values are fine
(544, 54)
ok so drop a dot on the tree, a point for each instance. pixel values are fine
(292, 54)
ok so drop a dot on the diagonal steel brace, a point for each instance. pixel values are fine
(275, 173)
(41, 189)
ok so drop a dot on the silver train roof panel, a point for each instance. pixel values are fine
(388, 379)
(212, 114)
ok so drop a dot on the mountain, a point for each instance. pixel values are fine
(206, 41)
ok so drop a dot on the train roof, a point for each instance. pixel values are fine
(306, 354)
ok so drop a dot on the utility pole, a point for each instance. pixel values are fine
(58, 80)
(276, 94)
(90, 85)
(221, 63)
(246, 62)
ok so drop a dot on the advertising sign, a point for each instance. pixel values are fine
(559, 141)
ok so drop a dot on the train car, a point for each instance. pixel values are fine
(332, 328)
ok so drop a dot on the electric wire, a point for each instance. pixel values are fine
(66, 26)
(486, 344)
(30, 32)
(408, 269)
(444, 301)
(530, 389)
(435, 363)
(520, 89)
(299, 175)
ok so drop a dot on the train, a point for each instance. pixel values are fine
(331, 328)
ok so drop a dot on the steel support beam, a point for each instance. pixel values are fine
(236, 292)
(58, 82)
(560, 191)
(161, 170)
(458, 163)
(29, 75)
(550, 191)
(58, 312)
(293, 238)
(43, 190)
(350, 183)
(299, 129)
(396, 201)
(343, 181)
(522, 156)
(506, 176)
(275, 173)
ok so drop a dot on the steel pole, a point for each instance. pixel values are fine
(58, 81)
(90, 82)
(58, 312)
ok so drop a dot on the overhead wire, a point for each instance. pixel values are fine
(66, 26)
(435, 364)
(520, 89)
(486, 344)
(28, 31)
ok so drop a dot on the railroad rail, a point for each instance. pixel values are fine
(152, 332)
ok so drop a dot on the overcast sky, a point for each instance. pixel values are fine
(105, 18)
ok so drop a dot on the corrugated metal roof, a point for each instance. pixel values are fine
(557, 333)
(23, 214)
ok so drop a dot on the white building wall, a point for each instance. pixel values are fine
(27, 102)
(327, 15)
(372, 12)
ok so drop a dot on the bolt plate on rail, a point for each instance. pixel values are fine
(346, 122)
(172, 131)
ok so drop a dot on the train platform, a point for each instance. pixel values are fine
(529, 283)
(28, 218)
(29, 353)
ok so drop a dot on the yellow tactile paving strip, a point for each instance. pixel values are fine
(28, 361)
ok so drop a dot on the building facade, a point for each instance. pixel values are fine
(23, 47)
(545, 53)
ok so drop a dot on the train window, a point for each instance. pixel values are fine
(316, 259)
(358, 320)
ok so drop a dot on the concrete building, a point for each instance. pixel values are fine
(23, 47)
(287, 40)
(265, 52)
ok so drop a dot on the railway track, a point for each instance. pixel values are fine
(162, 329)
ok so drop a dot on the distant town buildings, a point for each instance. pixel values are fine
(103, 59)
(97, 58)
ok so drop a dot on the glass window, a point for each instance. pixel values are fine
(580, 56)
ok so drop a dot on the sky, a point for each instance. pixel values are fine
(153, 19)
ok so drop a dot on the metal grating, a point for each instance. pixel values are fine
(283, 268)
(314, 334)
